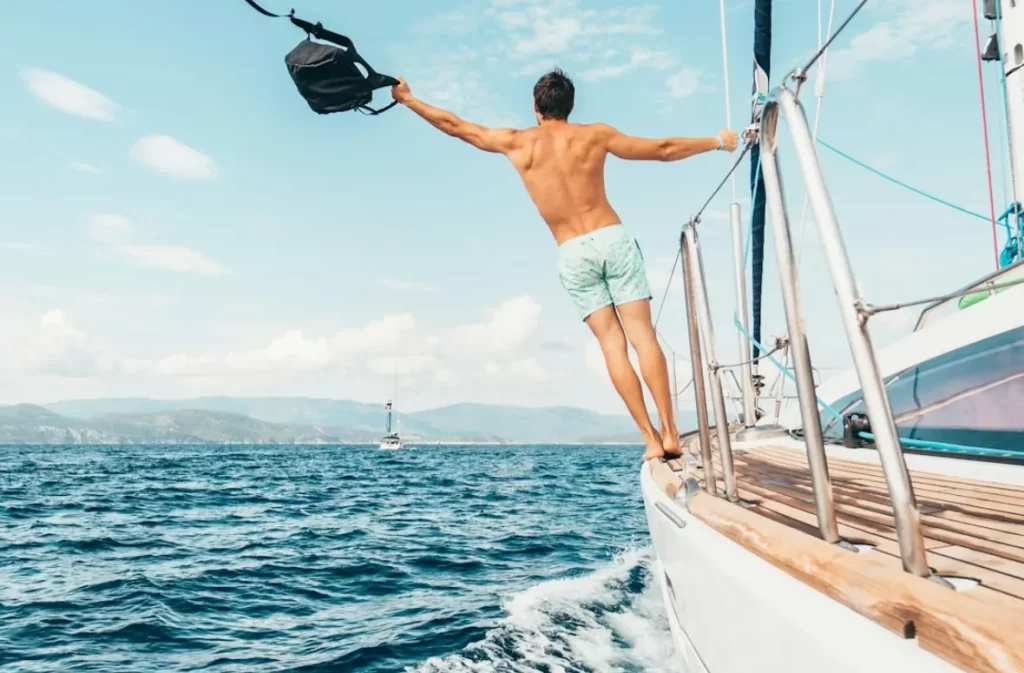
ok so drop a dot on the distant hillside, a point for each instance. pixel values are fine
(298, 420)
(30, 424)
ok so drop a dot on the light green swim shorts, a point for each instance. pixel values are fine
(602, 268)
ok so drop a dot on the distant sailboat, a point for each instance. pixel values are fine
(391, 440)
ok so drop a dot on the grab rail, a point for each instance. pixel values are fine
(876, 400)
(782, 101)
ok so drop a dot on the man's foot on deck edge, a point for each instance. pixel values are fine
(670, 444)
(655, 449)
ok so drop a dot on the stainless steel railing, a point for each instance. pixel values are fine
(783, 102)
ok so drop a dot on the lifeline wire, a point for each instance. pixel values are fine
(871, 309)
(735, 165)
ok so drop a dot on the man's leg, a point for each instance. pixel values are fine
(636, 321)
(606, 327)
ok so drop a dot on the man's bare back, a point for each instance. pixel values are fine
(562, 167)
(599, 262)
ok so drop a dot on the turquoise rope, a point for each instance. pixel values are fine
(944, 447)
(903, 184)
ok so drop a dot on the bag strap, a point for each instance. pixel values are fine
(266, 13)
(317, 30)
(372, 112)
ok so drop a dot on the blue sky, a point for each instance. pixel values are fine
(176, 221)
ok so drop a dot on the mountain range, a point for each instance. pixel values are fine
(288, 420)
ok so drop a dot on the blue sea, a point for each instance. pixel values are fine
(327, 558)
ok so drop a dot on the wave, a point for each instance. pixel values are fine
(611, 619)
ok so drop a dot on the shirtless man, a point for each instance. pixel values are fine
(599, 262)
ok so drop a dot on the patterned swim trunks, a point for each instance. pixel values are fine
(602, 268)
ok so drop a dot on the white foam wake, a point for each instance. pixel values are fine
(609, 621)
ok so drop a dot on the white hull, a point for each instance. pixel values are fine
(732, 611)
(391, 444)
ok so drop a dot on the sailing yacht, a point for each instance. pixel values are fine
(879, 526)
(391, 440)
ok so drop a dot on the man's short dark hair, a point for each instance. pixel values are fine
(554, 95)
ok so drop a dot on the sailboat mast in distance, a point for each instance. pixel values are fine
(762, 68)
(387, 407)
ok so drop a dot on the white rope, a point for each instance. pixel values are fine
(819, 92)
(725, 73)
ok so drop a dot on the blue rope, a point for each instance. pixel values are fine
(903, 184)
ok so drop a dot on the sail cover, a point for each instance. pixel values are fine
(762, 65)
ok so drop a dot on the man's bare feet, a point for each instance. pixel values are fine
(670, 442)
(654, 447)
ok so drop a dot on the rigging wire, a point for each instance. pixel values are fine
(984, 131)
(802, 73)
(664, 296)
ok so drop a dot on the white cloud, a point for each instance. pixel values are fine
(684, 83)
(907, 28)
(404, 365)
(355, 358)
(559, 26)
(168, 258)
(414, 286)
(83, 167)
(53, 345)
(22, 246)
(455, 22)
(107, 227)
(531, 36)
(68, 95)
(114, 231)
(520, 370)
(659, 60)
(294, 352)
(511, 324)
(166, 155)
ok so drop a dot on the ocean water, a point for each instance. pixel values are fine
(315, 558)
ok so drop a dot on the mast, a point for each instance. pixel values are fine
(1006, 46)
(762, 67)
(388, 408)
(1010, 41)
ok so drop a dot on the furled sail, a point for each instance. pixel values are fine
(762, 66)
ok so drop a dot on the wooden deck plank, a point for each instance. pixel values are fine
(1002, 587)
(870, 476)
(929, 478)
(878, 504)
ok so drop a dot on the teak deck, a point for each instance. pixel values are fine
(973, 529)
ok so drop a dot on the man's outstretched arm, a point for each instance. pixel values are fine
(481, 137)
(664, 149)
